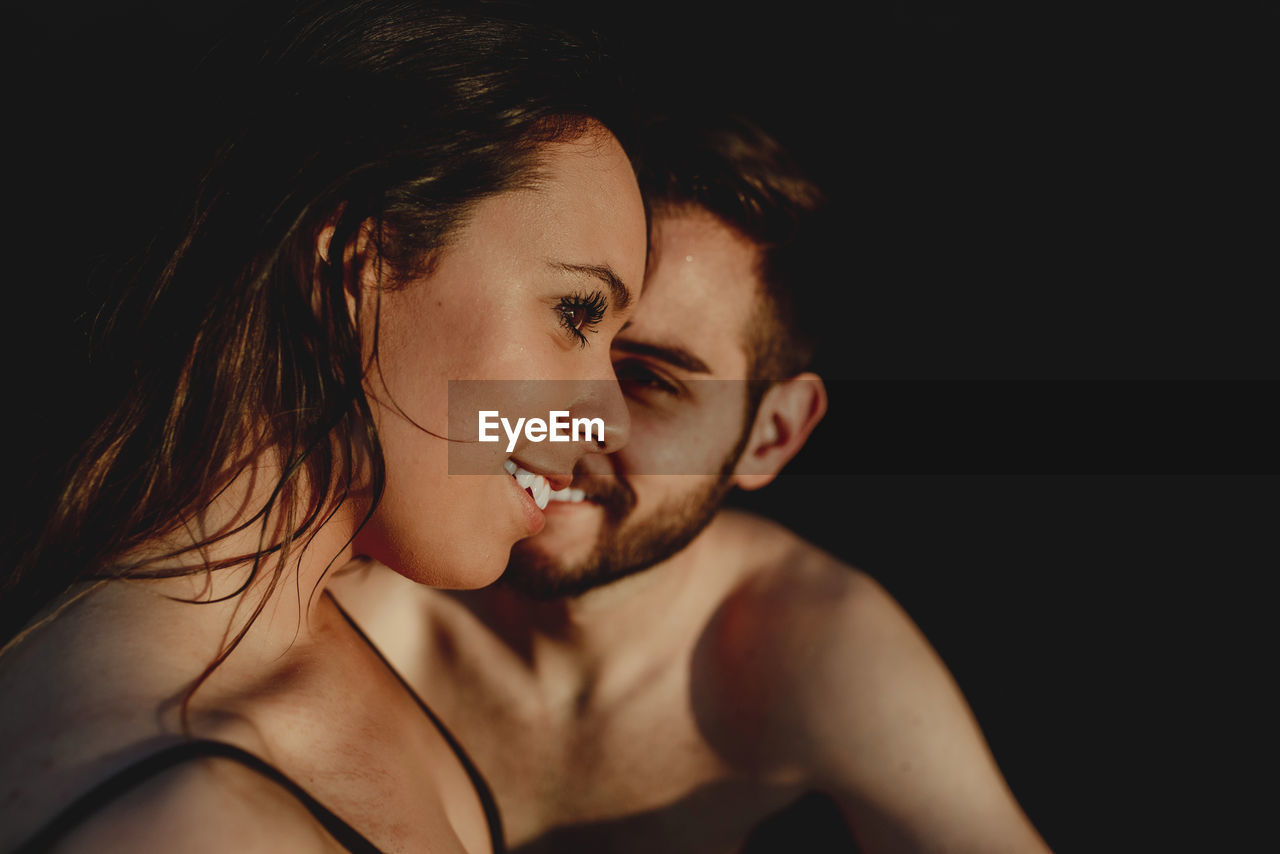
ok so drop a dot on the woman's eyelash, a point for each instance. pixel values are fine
(581, 313)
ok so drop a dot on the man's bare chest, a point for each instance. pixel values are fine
(639, 775)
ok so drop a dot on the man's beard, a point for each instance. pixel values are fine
(619, 552)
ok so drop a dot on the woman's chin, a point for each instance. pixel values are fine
(459, 544)
(465, 567)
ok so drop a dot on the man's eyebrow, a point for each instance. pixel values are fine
(621, 293)
(677, 356)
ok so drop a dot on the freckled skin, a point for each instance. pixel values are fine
(302, 690)
(488, 311)
(673, 709)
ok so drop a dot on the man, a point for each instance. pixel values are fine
(654, 673)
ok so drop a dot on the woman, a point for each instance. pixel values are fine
(414, 197)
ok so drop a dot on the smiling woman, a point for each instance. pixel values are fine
(398, 195)
(494, 308)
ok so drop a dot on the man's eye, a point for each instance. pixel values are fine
(582, 313)
(636, 377)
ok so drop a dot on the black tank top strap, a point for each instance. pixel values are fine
(491, 815)
(128, 778)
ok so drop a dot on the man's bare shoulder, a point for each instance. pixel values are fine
(208, 805)
(795, 631)
(790, 588)
(817, 668)
(810, 671)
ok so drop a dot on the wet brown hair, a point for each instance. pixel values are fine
(228, 338)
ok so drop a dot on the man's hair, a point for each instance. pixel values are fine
(737, 172)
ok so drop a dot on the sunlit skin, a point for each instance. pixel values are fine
(302, 690)
(681, 364)
(675, 707)
(494, 308)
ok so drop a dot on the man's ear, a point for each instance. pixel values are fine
(787, 415)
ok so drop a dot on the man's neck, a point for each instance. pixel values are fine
(593, 646)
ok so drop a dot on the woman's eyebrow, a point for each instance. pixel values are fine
(603, 272)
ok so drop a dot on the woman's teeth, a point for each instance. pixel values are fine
(539, 489)
(569, 494)
(535, 484)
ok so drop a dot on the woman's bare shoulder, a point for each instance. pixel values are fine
(208, 804)
(84, 702)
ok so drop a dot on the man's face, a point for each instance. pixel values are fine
(682, 364)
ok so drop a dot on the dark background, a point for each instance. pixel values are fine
(1052, 234)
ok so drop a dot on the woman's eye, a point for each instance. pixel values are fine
(636, 377)
(582, 313)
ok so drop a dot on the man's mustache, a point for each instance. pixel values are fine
(610, 491)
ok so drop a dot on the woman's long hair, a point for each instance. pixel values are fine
(229, 338)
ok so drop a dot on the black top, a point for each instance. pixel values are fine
(491, 815)
(144, 769)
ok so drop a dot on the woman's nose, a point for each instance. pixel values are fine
(602, 398)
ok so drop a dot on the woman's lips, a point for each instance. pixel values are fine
(538, 494)
(535, 519)
(539, 487)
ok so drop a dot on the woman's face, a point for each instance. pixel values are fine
(530, 290)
